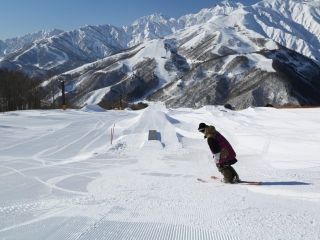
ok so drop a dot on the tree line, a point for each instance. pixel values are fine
(19, 92)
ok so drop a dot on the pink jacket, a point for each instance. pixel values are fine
(227, 153)
(219, 144)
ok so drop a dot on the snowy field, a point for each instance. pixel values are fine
(60, 177)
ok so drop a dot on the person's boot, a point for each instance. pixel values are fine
(235, 178)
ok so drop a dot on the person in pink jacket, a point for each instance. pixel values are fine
(222, 151)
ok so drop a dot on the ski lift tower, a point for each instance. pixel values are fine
(63, 95)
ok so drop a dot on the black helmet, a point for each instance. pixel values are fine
(201, 127)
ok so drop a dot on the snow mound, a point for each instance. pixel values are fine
(93, 108)
(155, 117)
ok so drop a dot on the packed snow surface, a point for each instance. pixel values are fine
(61, 178)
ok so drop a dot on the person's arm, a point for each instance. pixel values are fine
(215, 149)
(214, 145)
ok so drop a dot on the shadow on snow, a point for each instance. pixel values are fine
(285, 183)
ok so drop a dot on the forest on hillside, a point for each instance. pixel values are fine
(19, 92)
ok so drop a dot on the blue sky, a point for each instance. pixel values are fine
(18, 17)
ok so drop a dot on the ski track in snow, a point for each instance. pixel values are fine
(64, 180)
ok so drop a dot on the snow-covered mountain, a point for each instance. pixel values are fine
(13, 44)
(250, 71)
(224, 8)
(229, 53)
(145, 28)
(67, 50)
(293, 24)
(151, 27)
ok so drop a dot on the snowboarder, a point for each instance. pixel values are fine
(222, 151)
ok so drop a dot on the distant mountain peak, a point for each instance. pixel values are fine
(315, 3)
(154, 18)
(230, 3)
(36, 35)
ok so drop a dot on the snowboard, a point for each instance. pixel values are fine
(219, 179)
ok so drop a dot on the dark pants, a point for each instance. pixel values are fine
(229, 174)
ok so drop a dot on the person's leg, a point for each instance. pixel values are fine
(235, 175)
(228, 173)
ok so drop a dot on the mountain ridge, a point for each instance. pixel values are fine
(230, 52)
(157, 25)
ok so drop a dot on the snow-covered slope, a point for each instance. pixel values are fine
(293, 24)
(60, 177)
(132, 74)
(232, 64)
(243, 55)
